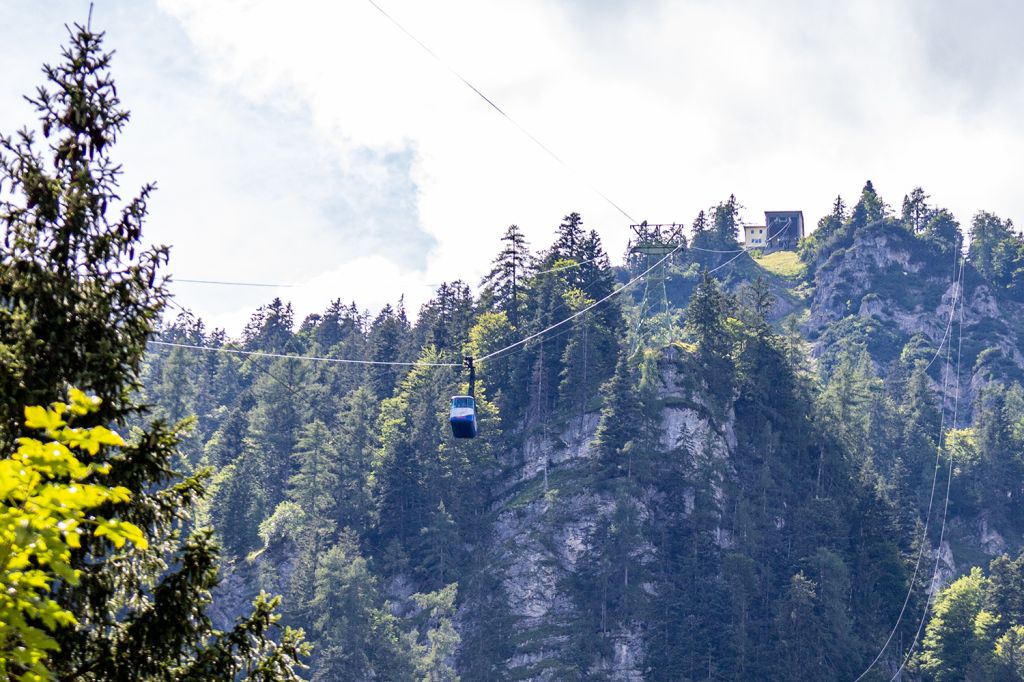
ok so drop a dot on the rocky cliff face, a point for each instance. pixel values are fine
(880, 287)
(885, 276)
(885, 280)
(547, 511)
(545, 518)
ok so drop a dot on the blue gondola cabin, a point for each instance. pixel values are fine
(463, 416)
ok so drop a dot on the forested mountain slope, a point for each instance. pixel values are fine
(744, 482)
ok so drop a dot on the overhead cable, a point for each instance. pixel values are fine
(945, 508)
(581, 311)
(313, 358)
(957, 281)
(494, 106)
(522, 341)
(232, 284)
(569, 265)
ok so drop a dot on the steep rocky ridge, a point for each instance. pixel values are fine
(545, 517)
(894, 287)
(884, 287)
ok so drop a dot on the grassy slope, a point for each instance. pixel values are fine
(782, 263)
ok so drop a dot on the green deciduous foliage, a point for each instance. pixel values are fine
(976, 630)
(947, 647)
(491, 332)
(434, 663)
(48, 500)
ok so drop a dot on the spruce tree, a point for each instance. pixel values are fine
(313, 488)
(571, 234)
(270, 328)
(869, 209)
(508, 273)
(82, 296)
(387, 341)
(726, 220)
(706, 317)
(357, 638)
(700, 224)
(620, 422)
(916, 211)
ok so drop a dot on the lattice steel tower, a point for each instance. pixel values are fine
(652, 243)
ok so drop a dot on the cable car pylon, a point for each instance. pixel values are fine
(655, 240)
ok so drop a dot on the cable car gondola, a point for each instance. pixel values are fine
(463, 416)
(463, 411)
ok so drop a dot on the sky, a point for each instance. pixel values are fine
(314, 144)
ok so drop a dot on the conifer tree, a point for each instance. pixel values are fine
(434, 662)
(439, 540)
(357, 441)
(387, 341)
(313, 487)
(944, 230)
(594, 273)
(586, 357)
(273, 430)
(916, 211)
(357, 638)
(621, 416)
(508, 274)
(706, 317)
(726, 220)
(445, 320)
(834, 221)
(700, 224)
(270, 328)
(869, 208)
(570, 237)
(81, 298)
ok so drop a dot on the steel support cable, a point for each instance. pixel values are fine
(952, 309)
(232, 284)
(508, 118)
(602, 300)
(697, 248)
(300, 357)
(624, 286)
(957, 281)
(587, 308)
(312, 358)
(440, 364)
(268, 285)
(719, 267)
(949, 484)
(566, 267)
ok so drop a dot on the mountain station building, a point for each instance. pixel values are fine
(782, 230)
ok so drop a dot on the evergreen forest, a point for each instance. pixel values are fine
(698, 465)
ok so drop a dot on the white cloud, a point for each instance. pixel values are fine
(299, 141)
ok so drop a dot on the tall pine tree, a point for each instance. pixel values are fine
(81, 298)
